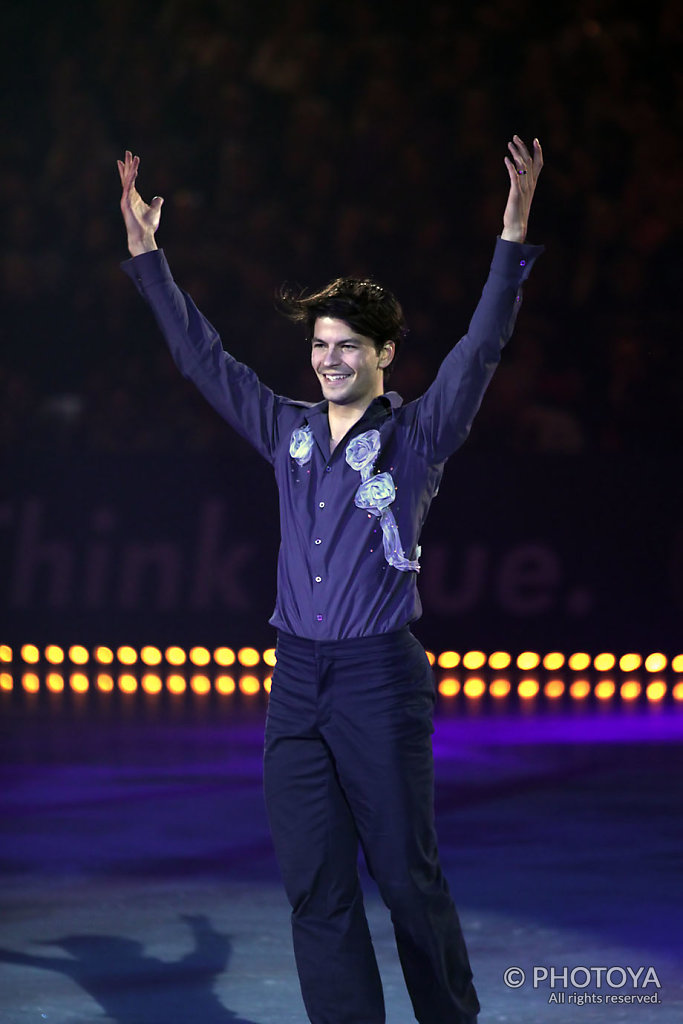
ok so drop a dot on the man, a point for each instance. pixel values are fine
(348, 754)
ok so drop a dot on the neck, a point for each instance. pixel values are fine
(341, 418)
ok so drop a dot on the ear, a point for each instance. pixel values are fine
(387, 353)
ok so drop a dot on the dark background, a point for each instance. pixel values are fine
(298, 141)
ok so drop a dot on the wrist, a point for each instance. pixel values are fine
(136, 246)
(513, 234)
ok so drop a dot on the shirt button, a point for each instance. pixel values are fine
(319, 618)
(318, 540)
(318, 579)
(328, 469)
(522, 263)
(321, 504)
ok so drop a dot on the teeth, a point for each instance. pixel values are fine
(336, 376)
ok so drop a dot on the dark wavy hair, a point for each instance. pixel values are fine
(367, 307)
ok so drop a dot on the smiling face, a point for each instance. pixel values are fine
(348, 365)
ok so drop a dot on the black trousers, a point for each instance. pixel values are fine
(348, 759)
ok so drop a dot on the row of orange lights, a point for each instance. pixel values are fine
(126, 682)
(579, 689)
(580, 661)
(250, 657)
(472, 687)
(150, 656)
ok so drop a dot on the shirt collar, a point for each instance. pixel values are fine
(389, 401)
(394, 399)
(379, 409)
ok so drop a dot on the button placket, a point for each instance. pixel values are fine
(319, 535)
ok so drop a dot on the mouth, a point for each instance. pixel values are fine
(335, 378)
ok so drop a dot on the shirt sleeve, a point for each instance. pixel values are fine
(443, 415)
(232, 388)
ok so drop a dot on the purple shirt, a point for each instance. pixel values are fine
(334, 579)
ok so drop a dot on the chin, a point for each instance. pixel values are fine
(336, 394)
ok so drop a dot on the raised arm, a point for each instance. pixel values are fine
(232, 388)
(140, 219)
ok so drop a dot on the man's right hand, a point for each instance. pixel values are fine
(141, 220)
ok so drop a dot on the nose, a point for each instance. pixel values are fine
(331, 357)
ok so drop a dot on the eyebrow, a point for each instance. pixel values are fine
(341, 341)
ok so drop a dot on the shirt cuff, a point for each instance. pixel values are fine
(147, 269)
(514, 259)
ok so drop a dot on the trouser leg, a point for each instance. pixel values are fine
(379, 731)
(316, 845)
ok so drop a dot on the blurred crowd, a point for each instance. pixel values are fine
(298, 141)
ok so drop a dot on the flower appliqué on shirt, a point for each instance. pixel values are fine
(362, 451)
(301, 445)
(376, 494)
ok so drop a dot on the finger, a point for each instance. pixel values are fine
(133, 171)
(131, 162)
(521, 147)
(127, 160)
(519, 163)
(517, 155)
(538, 157)
(127, 179)
(515, 176)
